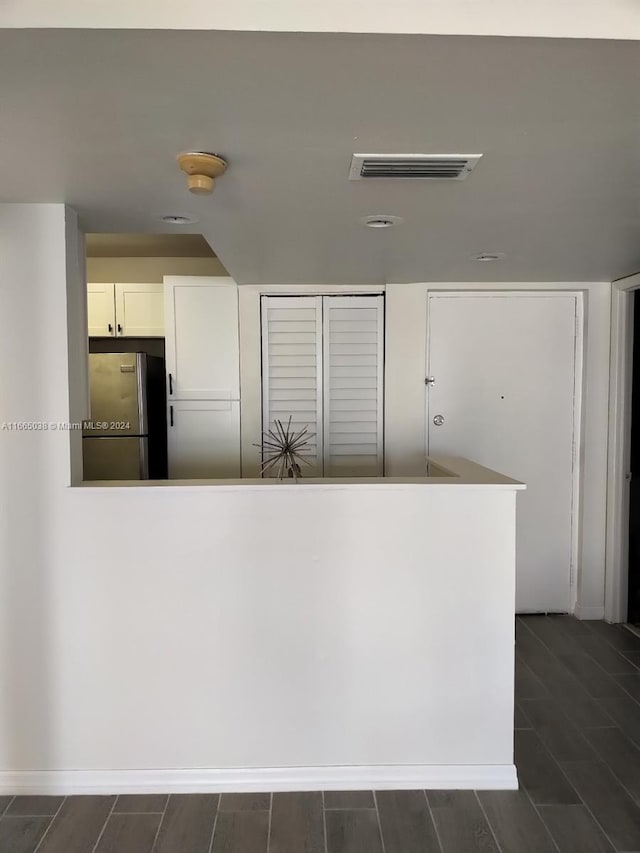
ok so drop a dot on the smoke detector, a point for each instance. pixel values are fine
(201, 169)
(452, 167)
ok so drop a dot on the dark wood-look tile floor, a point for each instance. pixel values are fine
(577, 749)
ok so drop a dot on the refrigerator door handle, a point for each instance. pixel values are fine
(171, 415)
(141, 370)
(170, 385)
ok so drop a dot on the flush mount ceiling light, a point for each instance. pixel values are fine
(485, 257)
(201, 169)
(381, 220)
(178, 219)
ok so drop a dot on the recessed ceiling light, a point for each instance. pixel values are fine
(178, 219)
(488, 256)
(381, 220)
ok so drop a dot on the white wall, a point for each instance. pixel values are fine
(615, 19)
(223, 628)
(148, 270)
(405, 409)
(34, 471)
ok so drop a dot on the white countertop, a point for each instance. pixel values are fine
(452, 470)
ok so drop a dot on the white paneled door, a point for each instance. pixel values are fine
(201, 320)
(203, 439)
(505, 370)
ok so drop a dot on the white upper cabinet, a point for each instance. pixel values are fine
(202, 349)
(139, 310)
(120, 310)
(101, 310)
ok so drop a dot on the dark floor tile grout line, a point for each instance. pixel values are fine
(269, 823)
(588, 808)
(324, 824)
(627, 694)
(491, 829)
(576, 730)
(542, 820)
(615, 776)
(633, 663)
(213, 828)
(124, 814)
(530, 673)
(603, 636)
(537, 810)
(544, 645)
(379, 822)
(51, 822)
(350, 808)
(113, 805)
(433, 821)
(6, 808)
(164, 814)
(21, 815)
(555, 761)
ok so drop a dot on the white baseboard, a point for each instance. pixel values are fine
(378, 777)
(588, 612)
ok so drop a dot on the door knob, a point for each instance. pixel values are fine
(438, 420)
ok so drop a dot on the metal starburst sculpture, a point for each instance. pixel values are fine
(284, 448)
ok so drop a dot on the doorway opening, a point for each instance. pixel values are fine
(126, 435)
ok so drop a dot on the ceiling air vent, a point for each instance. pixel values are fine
(439, 167)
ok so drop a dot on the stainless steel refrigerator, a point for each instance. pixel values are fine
(122, 440)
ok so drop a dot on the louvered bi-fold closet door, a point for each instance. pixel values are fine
(353, 365)
(292, 370)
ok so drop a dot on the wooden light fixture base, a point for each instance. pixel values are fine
(201, 170)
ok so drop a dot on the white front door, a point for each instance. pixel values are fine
(504, 371)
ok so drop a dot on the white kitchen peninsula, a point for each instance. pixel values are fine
(269, 635)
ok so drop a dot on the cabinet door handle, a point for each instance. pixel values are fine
(119, 329)
(170, 385)
(110, 328)
(171, 415)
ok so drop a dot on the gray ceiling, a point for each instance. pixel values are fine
(95, 118)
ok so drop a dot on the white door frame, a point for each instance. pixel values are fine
(578, 414)
(619, 449)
